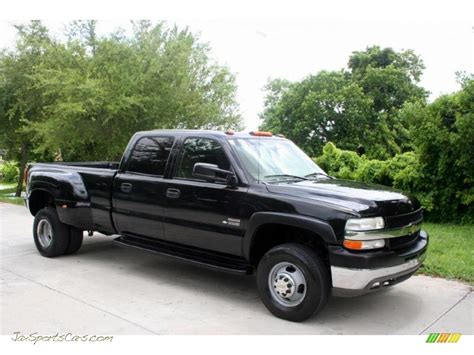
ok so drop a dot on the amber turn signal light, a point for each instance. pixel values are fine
(353, 244)
(364, 244)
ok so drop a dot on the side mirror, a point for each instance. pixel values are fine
(211, 172)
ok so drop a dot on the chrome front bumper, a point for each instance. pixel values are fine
(349, 282)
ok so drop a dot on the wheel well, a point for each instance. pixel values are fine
(38, 200)
(271, 235)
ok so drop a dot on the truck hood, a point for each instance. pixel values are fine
(364, 199)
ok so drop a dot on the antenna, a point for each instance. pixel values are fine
(258, 160)
(259, 134)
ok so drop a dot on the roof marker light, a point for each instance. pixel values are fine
(261, 134)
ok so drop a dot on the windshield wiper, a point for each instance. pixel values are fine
(315, 174)
(292, 177)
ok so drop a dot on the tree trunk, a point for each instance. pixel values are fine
(21, 176)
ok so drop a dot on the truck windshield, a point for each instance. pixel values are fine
(275, 160)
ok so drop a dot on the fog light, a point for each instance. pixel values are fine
(364, 244)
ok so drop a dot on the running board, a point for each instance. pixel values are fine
(206, 258)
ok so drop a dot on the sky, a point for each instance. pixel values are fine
(291, 39)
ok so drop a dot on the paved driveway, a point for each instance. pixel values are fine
(106, 289)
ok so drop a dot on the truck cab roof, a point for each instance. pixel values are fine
(228, 134)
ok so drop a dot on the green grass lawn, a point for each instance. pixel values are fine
(7, 192)
(450, 253)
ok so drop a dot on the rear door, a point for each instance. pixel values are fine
(139, 188)
(204, 214)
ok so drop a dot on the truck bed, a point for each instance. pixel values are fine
(84, 191)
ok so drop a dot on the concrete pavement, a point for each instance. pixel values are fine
(106, 289)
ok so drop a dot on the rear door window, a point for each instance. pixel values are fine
(150, 155)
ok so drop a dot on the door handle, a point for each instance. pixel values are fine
(173, 193)
(126, 187)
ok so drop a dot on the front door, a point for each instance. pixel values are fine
(199, 213)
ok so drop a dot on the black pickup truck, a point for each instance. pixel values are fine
(251, 203)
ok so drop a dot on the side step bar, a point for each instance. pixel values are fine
(206, 258)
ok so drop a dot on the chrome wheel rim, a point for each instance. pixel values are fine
(45, 233)
(287, 284)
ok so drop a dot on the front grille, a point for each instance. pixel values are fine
(404, 241)
(403, 220)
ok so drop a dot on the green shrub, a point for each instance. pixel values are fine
(340, 163)
(443, 136)
(443, 194)
(10, 171)
(405, 171)
(374, 171)
(327, 161)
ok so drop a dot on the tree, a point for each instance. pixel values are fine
(93, 92)
(390, 78)
(110, 87)
(406, 61)
(84, 32)
(22, 101)
(275, 90)
(321, 108)
(352, 108)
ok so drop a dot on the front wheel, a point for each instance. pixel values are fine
(293, 282)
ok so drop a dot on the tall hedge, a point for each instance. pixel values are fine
(439, 169)
(443, 136)
(405, 172)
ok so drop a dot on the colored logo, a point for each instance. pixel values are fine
(443, 338)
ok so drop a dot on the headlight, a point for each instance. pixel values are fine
(365, 224)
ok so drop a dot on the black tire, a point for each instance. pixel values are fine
(59, 239)
(310, 265)
(75, 240)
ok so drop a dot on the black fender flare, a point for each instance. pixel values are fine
(66, 189)
(259, 219)
(63, 186)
